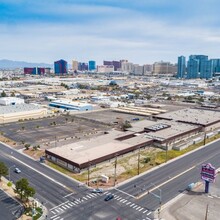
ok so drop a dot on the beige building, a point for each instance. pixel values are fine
(18, 112)
(105, 68)
(164, 68)
(74, 65)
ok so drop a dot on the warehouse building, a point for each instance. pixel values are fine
(69, 105)
(208, 119)
(11, 101)
(18, 112)
(81, 155)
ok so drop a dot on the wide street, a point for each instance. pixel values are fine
(136, 199)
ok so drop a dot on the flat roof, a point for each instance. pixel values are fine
(189, 115)
(173, 128)
(18, 108)
(69, 102)
(98, 147)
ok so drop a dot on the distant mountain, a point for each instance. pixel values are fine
(10, 64)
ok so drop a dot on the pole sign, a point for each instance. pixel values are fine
(208, 173)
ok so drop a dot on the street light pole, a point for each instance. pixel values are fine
(89, 173)
(204, 139)
(9, 176)
(166, 151)
(116, 160)
(138, 160)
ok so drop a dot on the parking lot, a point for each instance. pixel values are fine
(9, 208)
(63, 129)
(52, 130)
(109, 116)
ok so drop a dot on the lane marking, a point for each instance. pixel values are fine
(58, 205)
(125, 193)
(158, 186)
(40, 172)
(145, 211)
(68, 195)
(54, 216)
(149, 213)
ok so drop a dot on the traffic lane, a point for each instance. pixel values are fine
(170, 190)
(69, 182)
(52, 192)
(174, 168)
(98, 209)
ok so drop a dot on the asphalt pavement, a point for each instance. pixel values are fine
(136, 199)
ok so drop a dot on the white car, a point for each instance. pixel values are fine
(17, 170)
(98, 190)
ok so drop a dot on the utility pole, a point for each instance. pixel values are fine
(204, 138)
(116, 160)
(89, 173)
(166, 151)
(138, 160)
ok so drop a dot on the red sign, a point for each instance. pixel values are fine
(208, 172)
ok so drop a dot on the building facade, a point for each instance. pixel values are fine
(181, 67)
(164, 68)
(60, 67)
(74, 65)
(92, 65)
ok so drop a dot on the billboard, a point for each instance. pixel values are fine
(208, 173)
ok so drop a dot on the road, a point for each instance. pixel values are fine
(65, 200)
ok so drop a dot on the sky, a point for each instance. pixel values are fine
(141, 31)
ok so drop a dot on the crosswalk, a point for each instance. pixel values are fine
(58, 210)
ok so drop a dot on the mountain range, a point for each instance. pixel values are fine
(11, 64)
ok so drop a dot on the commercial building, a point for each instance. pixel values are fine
(81, 155)
(36, 70)
(83, 66)
(18, 112)
(11, 101)
(207, 119)
(181, 68)
(74, 65)
(92, 65)
(164, 68)
(116, 64)
(127, 67)
(60, 67)
(105, 68)
(71, 106)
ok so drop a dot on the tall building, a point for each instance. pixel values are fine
(164, 68)
(207, 69)
(116, 64)
(105, 68)
(138, 70)
(181, 67)
(60, 67)
(201, 59)
(148, 68)
(216, 66)
(74, 65)
(127, 67)
(92, 65)
(36, 70)
(192, 68)
(82, 66)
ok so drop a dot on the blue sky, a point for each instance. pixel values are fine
(142, 31)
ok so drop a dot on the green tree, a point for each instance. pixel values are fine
(3, 94)
(23, 189)
(3, 170)
(13, 94)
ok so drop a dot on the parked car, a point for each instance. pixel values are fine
(109, 197)
(98, 190)
(17, 170)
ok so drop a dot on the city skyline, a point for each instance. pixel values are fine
(143, 32)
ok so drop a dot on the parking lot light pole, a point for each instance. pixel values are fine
(115, 174)
(9, 169)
